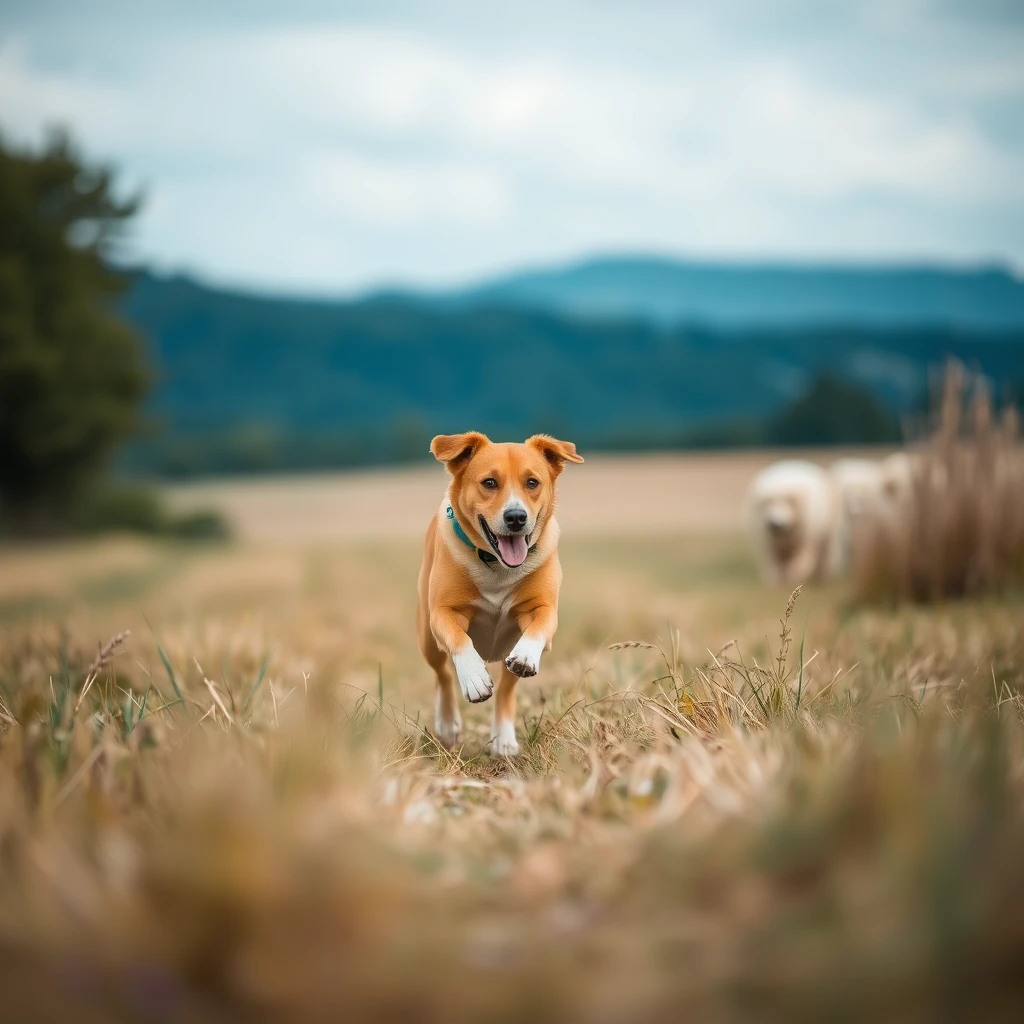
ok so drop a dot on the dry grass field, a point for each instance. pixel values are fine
(730, 804)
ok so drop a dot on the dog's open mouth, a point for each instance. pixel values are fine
(511, 548)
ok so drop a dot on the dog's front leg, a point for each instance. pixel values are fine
(538, 626)
(449, 628)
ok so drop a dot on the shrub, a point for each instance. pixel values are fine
(114, 507)
(135, 508)
(959, 528)
(834, 412)
(203, 524)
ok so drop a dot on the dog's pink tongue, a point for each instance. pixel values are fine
(513, 549)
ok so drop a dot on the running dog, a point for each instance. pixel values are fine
(488, 586)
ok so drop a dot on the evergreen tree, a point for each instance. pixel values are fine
(834, 412)
(72, 373)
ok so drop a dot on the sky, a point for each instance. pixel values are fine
(327, 148)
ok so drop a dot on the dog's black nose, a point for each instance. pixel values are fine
(515, 519)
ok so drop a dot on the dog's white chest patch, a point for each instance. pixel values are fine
(494, 631)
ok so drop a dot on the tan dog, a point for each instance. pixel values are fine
(488, 587)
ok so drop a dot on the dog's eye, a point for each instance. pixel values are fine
(533, 483)
(490, 483)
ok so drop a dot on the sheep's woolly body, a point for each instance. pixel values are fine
(792, 508)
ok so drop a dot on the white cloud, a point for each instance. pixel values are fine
(435, 158)
(420, 192)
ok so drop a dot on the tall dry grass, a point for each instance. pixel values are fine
(819, 826)
(958, 525)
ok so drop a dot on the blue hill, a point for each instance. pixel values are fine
(671, 291)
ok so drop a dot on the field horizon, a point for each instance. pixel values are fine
(609, 494)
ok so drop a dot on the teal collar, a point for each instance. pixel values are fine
(485, 556)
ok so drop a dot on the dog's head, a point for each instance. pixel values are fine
(503, 494)
(781, 515)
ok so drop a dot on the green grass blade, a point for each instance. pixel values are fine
(755, 691)
(145, 701)
(745, 673)
(128, 714)
(259, 681)
(800, 677)
(169, 668)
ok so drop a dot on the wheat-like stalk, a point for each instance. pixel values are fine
(721, 651)
(786, 633)
(105, 656)
(630, 644)
(959, 531)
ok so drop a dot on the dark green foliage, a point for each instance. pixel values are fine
(119, 507)
(135, 508)
(72, 373)
(204, 524)
(834, 412)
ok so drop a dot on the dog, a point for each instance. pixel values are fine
(793, 509)
(489, 582)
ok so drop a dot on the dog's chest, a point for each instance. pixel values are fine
(494, 631)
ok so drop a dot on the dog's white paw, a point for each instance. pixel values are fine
(503, 740)
(474, 681)
(525, 657)
(447, 728)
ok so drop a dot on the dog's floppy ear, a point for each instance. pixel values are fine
(558, 453)
(455, 450)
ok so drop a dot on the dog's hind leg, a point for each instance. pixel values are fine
(503, 725)
(447, 720)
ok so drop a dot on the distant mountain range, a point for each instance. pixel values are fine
(670, 291)
(246, 382)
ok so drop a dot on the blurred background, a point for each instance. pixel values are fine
(257, 237)
(254, 255)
